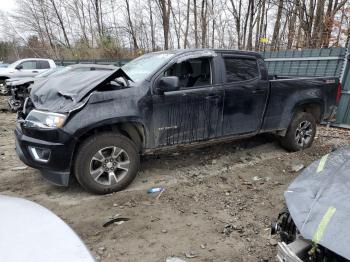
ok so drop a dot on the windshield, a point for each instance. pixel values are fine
(140, 68)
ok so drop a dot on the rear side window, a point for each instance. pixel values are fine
(240, 69)
(42, 64)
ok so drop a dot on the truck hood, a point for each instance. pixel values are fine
(67, 92)
(7, 71)
(318, 201)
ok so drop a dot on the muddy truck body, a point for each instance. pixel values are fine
(95, 125)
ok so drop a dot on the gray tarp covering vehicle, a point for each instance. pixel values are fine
(318, 205)
(32, 233)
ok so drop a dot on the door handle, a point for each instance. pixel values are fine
(35, 72)
(258, 91)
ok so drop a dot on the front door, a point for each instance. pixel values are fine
(29, 69)
(193, 113)
(245, 95)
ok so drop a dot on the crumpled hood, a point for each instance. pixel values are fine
(318, 201)
(67, 92)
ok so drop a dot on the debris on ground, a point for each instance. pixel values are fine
(228, 229)
(257, 178)
(174, 259)
(191, 254)
(297, 168)
(155, 190)
(18, 168)
(116, 221)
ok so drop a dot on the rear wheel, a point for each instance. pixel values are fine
(301, 132)
(106, 163)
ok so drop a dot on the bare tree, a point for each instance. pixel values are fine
(131, 26)
(165, 7)
(276, 30)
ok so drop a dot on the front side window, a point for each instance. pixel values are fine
(192, 72)
(29, 65)
(240, 69)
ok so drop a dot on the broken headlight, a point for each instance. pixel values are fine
(42, 119)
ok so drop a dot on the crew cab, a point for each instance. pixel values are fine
(28, 67)
(95, 124)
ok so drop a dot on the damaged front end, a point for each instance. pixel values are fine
(69, 92)
(19, 91)
(44, 138)
(315, 224)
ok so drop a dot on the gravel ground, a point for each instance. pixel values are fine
(218, 203)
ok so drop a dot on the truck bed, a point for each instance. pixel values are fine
(286, 91)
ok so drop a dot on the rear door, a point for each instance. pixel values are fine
(246, 94)
(42, 65)
(194, 113)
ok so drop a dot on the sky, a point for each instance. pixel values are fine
(7, 5)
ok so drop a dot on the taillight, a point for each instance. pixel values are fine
(338, 93)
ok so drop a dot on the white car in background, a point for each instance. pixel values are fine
(32, 233)
(28, 67)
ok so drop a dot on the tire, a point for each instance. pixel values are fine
(300, 133)
(106, 163)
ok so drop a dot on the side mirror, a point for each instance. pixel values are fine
(19, 67)
(168, 84)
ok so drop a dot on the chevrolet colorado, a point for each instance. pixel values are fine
(95, 124)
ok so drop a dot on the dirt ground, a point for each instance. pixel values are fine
(218, 203)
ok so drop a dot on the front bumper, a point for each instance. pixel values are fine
(294, 252)
(57, 167)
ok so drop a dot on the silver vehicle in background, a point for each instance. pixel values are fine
(28, 67)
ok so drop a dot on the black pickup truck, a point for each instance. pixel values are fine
(95, 124)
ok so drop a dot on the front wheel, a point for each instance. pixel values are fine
(301, 132)
(106, 163)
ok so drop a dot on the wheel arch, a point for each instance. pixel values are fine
(314, 107)
(134, 130)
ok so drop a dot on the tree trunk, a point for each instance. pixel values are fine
(245, 25)
(165, 6)
(329, 19)
(131, 27)
(204, 11)
(257, 31)
(213, 25)
(318, 25)
(195, 23)
(251, 24)
(187, 23)
(292, 21)
(277, 27)
(61, 23)
(153, 43)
